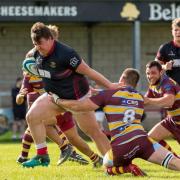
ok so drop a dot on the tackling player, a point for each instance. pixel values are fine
(124, 108)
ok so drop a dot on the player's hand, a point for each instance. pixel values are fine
(23, 92)
(54, 97)
(168, 65)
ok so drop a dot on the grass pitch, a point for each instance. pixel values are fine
(10, 170)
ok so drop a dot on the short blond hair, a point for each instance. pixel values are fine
(176, 23)
(54, 31)
(131, 76)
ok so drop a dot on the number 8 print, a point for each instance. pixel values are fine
(129, 115)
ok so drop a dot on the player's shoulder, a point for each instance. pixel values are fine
(63, 47)
(167, 83)
(166, 45)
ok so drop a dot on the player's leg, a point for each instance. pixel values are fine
(66, 149)
(161, 131)
(165, 158)
(158, 132)
(111, 169)
(87, 122)
(75, 157)
(41, 113)
(82, 146)
(27, 140)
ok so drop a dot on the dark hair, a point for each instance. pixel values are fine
(40, 30)
(131, 76)
(154, 64)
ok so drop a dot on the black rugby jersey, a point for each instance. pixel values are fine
(58, 72)
(167, 52)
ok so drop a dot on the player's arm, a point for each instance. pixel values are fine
(21, 96)
(83, 68)
(25, 89)
(161, 57)
(166, 101)
(75, 105)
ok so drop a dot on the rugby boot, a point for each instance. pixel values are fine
(65, 154)
(38, 160)
(135, 170)
(21, 159)
(78, 158)
(98, 163)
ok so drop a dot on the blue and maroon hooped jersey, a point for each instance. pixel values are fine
(167, 86)
(123, 108)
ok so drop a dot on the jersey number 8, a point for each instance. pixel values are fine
(129, 116)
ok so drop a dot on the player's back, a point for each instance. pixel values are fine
(124, 110)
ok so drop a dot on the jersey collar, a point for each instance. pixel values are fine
(175, 44)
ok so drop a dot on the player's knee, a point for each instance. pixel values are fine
(29, 117)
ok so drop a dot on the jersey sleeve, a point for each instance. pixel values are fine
(26, 84)
(73, 60)
(101, 98)
(169, 88)
(162, 54)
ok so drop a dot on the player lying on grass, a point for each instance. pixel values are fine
(124, 108)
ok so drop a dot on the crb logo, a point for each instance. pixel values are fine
(132, 102)
(74, 61)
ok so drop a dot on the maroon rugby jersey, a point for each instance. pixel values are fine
(167, 86)
(123, 108)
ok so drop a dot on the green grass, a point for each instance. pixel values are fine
(10, 170)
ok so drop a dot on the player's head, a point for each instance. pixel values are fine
(154, 72)
(54, 31)
(130, 77)
(42, 38)
(176, 29)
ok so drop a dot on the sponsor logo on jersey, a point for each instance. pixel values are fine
(52, 64)
(74, 61)
(130, 102)
(171, 53)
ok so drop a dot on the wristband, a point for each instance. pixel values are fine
(55, 97)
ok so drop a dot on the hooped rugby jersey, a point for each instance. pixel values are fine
(167, 86)
(124, 109)
(33, 84)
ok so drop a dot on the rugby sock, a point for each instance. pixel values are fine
(94, 157)
(27, 140)
(131, 168)
(166, 145)
(41, 148)
(118, 170)
(64, 138)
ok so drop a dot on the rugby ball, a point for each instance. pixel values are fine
(29, 65)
